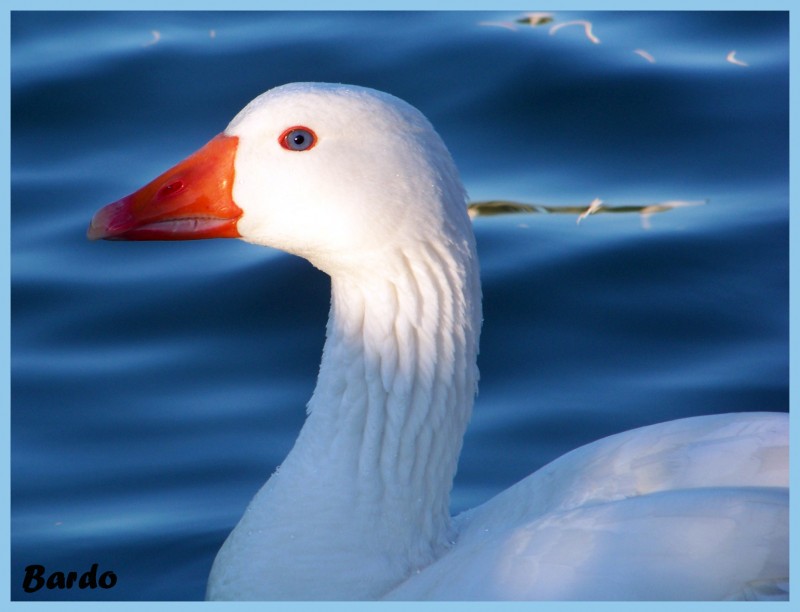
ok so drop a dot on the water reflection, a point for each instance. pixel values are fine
(539, 19)
(587, 28)
(733, 60)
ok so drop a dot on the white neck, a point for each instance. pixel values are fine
(362, 500)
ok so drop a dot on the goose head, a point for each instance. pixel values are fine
(337, 174)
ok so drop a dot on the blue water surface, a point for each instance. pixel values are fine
(155, 386)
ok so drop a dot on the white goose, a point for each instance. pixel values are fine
(360, 184)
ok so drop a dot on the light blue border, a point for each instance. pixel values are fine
(5, 264)
(794, 337)
(408, 5)
(5, 316)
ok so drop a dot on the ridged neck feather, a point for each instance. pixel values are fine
(362, 500)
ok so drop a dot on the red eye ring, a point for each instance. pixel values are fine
(298, 138)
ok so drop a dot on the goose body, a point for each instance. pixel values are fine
(359, 183)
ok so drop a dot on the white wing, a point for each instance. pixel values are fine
(692, 509)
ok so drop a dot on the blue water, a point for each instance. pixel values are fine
(155, 386)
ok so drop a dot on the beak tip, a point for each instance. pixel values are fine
(109, 221)
(99, 227)
(93, 233)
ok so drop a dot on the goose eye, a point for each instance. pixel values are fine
(298, 139)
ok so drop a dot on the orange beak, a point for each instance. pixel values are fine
(190, 201)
